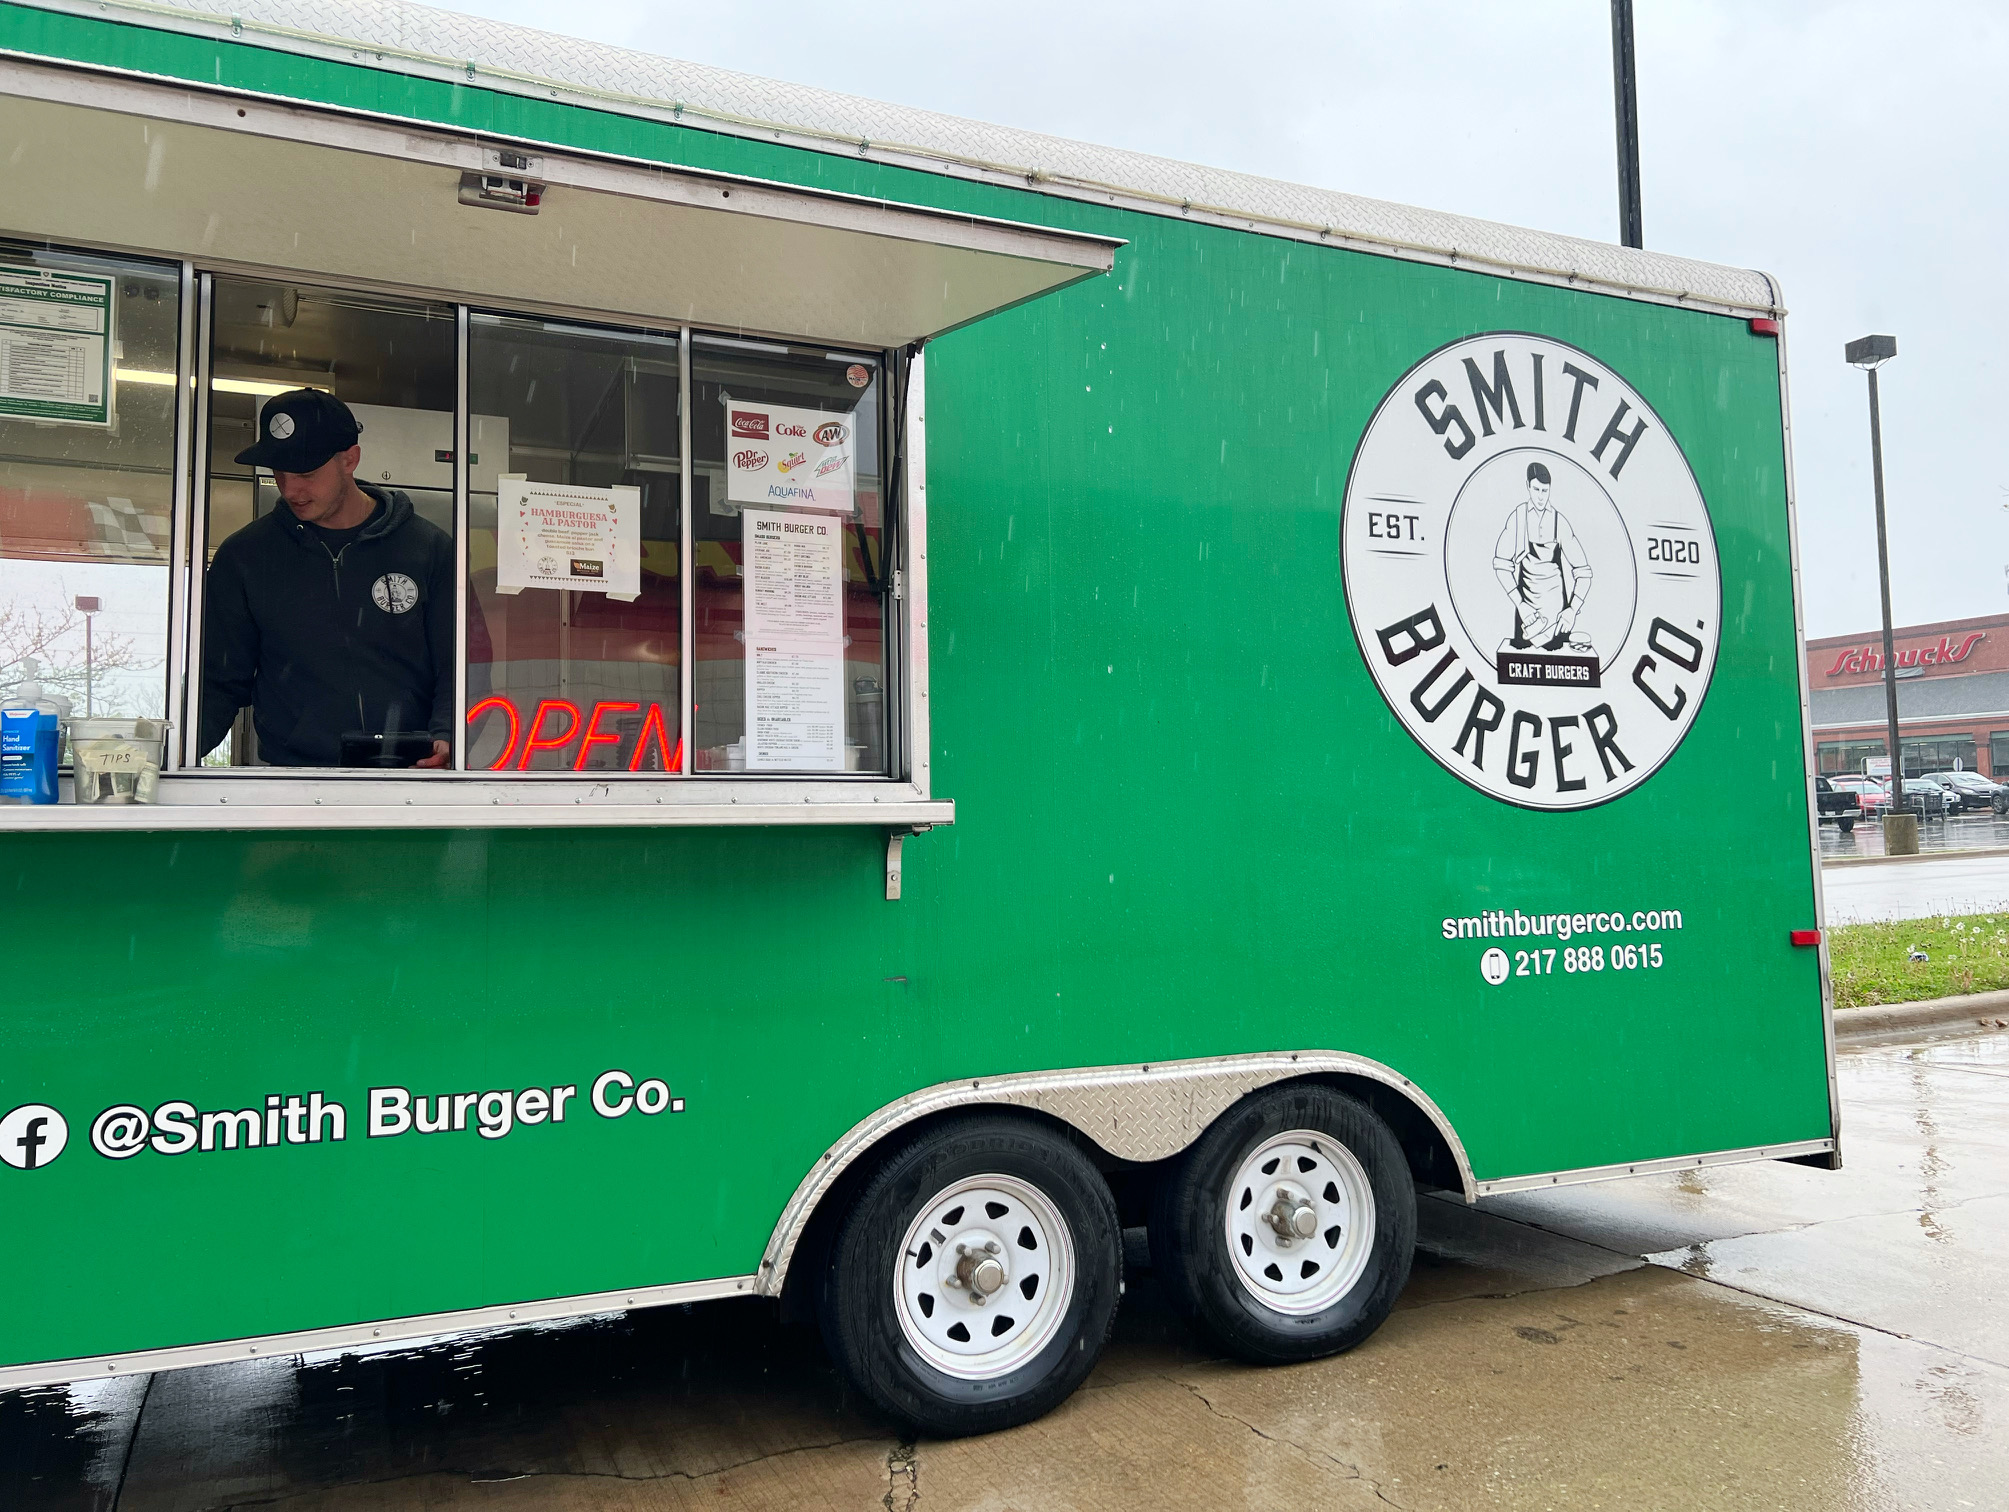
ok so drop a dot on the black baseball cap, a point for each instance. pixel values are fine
(299, 430)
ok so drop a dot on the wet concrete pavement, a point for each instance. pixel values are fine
(1754, 1336)
(1960, 832)
(1951, 884)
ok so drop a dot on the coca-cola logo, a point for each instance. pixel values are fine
(750, 423)
(749, 460)
(790, 428)
(831, 434)
(1861, 659)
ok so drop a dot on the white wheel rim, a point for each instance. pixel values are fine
(1285, 1268)
(991, 1217)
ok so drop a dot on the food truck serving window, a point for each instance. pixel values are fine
(294, 543)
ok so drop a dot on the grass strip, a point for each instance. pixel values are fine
(1873, 965)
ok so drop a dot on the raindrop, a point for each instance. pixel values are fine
(1000, 1323)
(960, 1334)
(1026, 1241)
(995, 1210)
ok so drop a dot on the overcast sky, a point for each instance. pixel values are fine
(1853, 150)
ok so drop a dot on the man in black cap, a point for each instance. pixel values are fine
(332, 616)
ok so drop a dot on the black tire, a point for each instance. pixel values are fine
(1846, 826)
(1190, 1217)
(860, 1304)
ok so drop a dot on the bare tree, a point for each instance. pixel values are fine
(54, 639)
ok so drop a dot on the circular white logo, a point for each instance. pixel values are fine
(32, 1135)
(394, 593)
(281, 426)
(1531, 571)
(1493, 966)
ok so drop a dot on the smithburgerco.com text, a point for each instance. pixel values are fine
(1501, 923)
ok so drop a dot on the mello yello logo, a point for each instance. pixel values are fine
(1531, 571)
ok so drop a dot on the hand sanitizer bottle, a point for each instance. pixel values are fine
(31, 740)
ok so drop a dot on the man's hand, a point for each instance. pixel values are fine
(440, 752)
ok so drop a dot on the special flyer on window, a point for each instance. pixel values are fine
(555, 535)
(789, 458)
(794, 581)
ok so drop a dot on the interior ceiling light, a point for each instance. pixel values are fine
(221, 385)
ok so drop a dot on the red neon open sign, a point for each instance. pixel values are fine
(558, 722)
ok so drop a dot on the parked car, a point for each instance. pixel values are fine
(1838, 804)
(1973, 790)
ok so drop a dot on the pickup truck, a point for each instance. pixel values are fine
(1838, 804)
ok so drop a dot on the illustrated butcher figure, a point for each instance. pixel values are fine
(1542, 565)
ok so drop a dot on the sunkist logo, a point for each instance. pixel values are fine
(1870, 658)
(1531, 571)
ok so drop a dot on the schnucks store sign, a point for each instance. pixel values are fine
(1941, 652)
(1942, 648)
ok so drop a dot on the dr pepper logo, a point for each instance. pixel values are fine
(750, 424)
(749, 460)
(831, 434)
(1531, 571)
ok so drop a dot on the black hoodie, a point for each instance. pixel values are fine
(323, 643)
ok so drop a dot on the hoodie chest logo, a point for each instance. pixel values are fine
(394, 593)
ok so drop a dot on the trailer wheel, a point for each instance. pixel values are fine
(1847, 826)
(1287, 1230)
(974, 1281)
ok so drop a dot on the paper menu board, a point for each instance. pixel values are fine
(789, 458)
(56, 346)
(561, 535)
(794, 707)
(792, 574)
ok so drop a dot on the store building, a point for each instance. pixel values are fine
(1952, 697)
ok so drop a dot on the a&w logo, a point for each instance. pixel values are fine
(1531, 571)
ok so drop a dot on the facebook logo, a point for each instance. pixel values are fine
(32, 1135)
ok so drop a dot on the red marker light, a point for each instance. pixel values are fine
(1806, 937)
(1763, 326)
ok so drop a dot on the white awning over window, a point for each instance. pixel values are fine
(235, 180)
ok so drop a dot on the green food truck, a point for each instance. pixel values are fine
(982, 692)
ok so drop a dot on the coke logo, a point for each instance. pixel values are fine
(749, 423)
(831, 434)
(749, 460)
(790, 428)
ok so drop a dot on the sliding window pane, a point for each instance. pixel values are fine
(790, 559)
(88, 356)
(329, 607)
(574, 630)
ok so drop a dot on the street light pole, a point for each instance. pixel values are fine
(1625, 107)
(1869, 353)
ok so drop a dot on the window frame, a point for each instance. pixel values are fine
(196, 797)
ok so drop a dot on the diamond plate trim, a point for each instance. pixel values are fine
(418, 39)
(1141, 1112)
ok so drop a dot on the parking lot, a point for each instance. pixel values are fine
(1765, 1335)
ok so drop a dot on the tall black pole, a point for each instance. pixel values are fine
(1625, 102)
(1883, 579)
